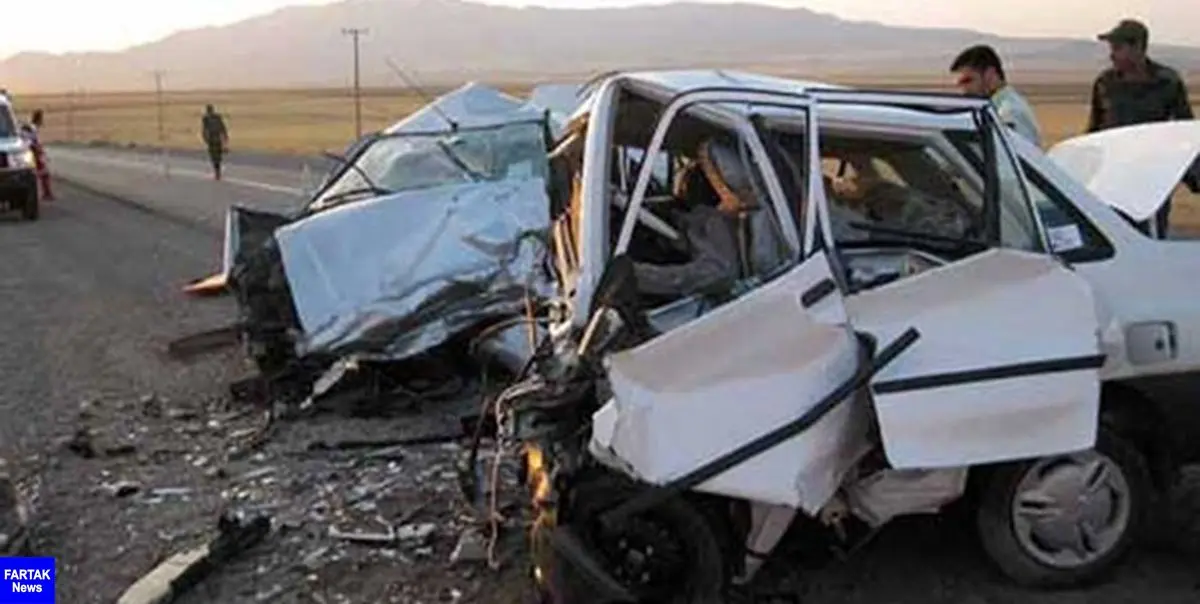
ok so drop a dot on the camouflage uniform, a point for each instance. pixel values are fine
(1120, 100)
(215, 135)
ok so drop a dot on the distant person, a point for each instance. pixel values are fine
(980, 73)
(1138, 90)
(32, 132)
(216, 138)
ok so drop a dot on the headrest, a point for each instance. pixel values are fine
(729, 176)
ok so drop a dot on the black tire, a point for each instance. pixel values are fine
(30, 209)
(998, 531)
(696, 536)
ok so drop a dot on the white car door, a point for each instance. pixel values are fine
(1007, 364)
(742, 372)
(704, 389)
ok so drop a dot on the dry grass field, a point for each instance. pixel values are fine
(308, 121)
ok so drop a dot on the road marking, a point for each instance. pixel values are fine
(157, 167)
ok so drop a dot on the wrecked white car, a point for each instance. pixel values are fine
(848, 306)
(433, 229)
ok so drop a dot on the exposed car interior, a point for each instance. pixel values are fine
(900, 203)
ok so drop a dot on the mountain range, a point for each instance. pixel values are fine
(442, 41)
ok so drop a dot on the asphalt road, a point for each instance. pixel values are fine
(90, 299)
(89, 302)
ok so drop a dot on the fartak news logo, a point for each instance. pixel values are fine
(27, 580)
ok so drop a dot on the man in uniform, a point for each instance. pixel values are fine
(980, 73)
(216, 137)
(1138, 90)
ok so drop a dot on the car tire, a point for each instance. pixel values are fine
(1110, 486)
(697, 536)
(30, 209)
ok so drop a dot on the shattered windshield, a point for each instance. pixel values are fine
(405, 162)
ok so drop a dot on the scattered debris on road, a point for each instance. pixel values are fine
(182, 571)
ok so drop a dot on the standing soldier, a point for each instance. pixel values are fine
(1137, 90)
(216, 138)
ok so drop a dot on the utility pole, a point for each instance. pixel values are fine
(75, 72)
(71, 115)
(355, 33)
(162, 134)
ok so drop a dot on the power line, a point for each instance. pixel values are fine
(355, 33)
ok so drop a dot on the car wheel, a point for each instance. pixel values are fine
(30, 209)
(1065, 521)
(670, 554)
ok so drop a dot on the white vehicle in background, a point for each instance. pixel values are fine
(923, 309)
(18, 175)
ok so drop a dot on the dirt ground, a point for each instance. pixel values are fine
(309, 121)
(306, 122)
(132, 457)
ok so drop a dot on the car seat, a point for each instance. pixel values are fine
(741, 193)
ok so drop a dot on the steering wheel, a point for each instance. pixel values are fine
(674, 238)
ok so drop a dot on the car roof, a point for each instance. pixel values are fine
(672, 83)
(684, 81)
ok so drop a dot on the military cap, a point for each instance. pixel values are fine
(1129, 31)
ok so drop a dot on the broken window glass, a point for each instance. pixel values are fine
(906, 185)
(417, 161)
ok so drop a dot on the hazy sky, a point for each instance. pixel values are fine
(67, 25)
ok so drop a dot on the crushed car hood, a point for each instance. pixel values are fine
(1134, 168)
(396, 275)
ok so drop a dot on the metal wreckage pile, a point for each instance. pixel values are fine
(407, 278)
(409, 270)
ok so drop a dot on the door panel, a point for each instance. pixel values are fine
(712, 385)
(1007, 366)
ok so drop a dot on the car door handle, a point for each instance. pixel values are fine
(818, 292)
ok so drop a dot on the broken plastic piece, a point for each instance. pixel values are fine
(213, 285)
(182, 571)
